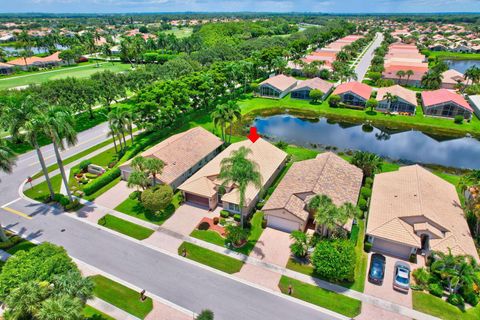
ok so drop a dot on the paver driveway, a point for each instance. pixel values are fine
(386, 291)
(186, 218)
(273, 247)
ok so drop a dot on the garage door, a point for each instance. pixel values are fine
(391, 248)
(193, 198)
(282, 224)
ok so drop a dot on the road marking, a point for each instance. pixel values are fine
(18, 213)
(7, 204)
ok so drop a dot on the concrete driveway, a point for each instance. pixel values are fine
(187, 217)
(273, 247)
(386, 291)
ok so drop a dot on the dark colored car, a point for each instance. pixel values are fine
(376, 273)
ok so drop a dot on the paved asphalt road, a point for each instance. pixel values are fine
(180, 282)
(364, 63)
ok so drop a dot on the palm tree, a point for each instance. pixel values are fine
(154, 166)
(473, 74)
(391, 98)
(409, 73)
(117, 125)
(454, 270)
(138, 179)
(58, 124)
(233, 113)
(240, 171)
(220, 118)
(63, 307)
(370, 163)
(432, 80)
(400, 75)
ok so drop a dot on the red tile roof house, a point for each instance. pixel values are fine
(183, 154)
(406, 100)
(354, 93)
(444, 103)
(277, 86)
(327, 174)
(303, 88)
(50, 61)
(451, 78)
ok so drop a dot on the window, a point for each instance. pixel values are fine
(233, 207)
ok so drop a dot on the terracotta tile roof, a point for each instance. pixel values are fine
(361, 89)
(315, 83)
(281, 82)
(327, 174)
(35, 60)
(399, 91)
(181, 152)
(5, 65)
(267, 156)
(413, 198)
(431, 98)
(391, 72)
(451, 76)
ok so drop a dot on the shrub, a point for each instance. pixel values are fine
(362, 204)
(222, 221)
(281, 145)
(224, 214)
(205, 315)
(422, 276)
(335, 260)
(75, 171)
(112, 164)
(264, 223)
(64, 201)
(260, 205)
(435, 289)
(158, 198)
(235, 234)
(101, 181)
(334, 101)
(458, 119)
(57, 197)
(83, 166)
(215, 220)
(369, 182)
(472, 298)
(72, 205)
(135, 195)
(366, 192)
(367, 246)
(236, 217)
(204, 226)
(91, 175)
(456, 300)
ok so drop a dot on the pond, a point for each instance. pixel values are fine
(35, 50)
(462, 65)
(408, 146)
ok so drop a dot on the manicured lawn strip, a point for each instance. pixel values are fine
(447, 55)
(211, 258)
(300, 154)
(126, 227)
(437, 307)
(73, 71)
(40, 191)
(135, 209)
(121, 296)
(252, 107)
(90, 313)
(323, 298)
(209, 236)
(361, 259)
(75, 157)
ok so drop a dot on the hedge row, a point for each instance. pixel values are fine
(101, 181)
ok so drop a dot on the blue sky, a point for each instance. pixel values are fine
(335, 6)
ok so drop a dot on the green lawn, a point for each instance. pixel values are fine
(180, 32)
(215, 238)
(211, 258)
(323, 298)
(135, 209)
(90, 313)
(121, 296)
(437, 307)
(40, 191)
(82, 71)
(252, 107)
(446, 55)
(126, 227)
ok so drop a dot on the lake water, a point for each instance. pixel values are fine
(462, 65)
(13, 50)
(409, 146)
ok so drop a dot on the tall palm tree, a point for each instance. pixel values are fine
(324, 213)
(233, 113)
(400, 74)
(154, 166)
(240, 171)
(220, 118)
(409, 73)
(118, 123)
(432, 80)
(58, 125)
(391, 98)
(370, 163)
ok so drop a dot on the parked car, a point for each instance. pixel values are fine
(401, 279)
(377, 269)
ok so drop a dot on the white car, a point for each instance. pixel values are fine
(401, 279)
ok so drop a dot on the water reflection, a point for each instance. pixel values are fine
(411, 145)
(462, 65)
